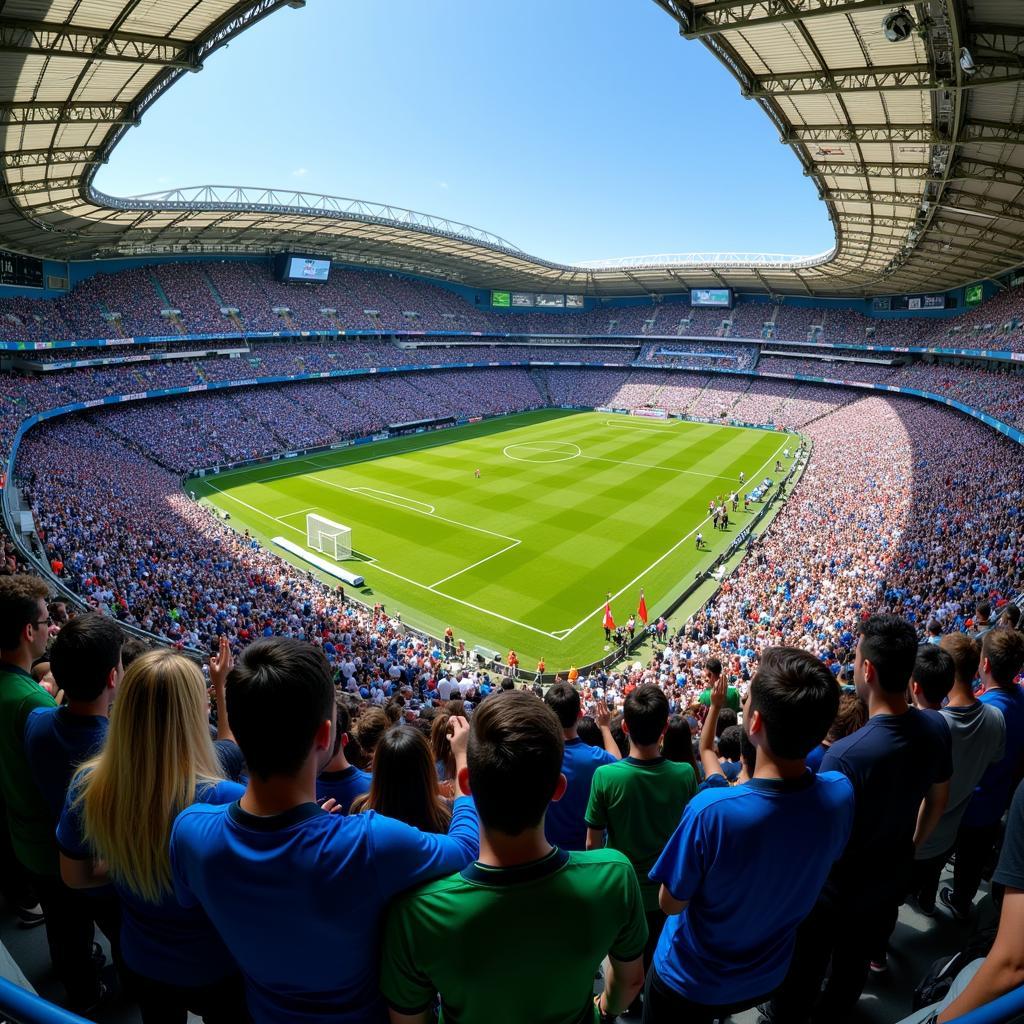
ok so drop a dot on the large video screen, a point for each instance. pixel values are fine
(721, 297)
(972, 295)
(305, 268)
(501, 300)
(22, 271)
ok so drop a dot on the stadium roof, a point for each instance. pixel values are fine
(916, 147)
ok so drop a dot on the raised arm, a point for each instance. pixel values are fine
(603, 717)
(708, 757)
(221, 664)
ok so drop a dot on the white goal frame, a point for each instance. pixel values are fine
(328, 537)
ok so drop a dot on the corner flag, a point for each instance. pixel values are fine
(609, 622)
(642, 610)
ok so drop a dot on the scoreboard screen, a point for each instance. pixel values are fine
(501, 300)
(20, 271)
(721, 297)
(972, 295)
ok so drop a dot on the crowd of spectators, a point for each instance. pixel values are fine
(129, 303)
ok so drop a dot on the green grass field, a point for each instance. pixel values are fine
(568, 507)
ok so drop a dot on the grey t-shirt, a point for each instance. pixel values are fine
(978, 733)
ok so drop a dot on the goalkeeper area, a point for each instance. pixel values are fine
(567, 507)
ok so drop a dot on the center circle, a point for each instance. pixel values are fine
(542, 451)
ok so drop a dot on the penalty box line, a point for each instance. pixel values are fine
(431, 588)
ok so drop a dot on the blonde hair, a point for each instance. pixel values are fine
(158, 750)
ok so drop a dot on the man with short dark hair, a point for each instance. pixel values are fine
(982, 619)
(298, 894)
(341, 781)
(639, 799)
(746, 863)
(586, 905)
(1002, 657)
(24, 634)
(898, 761)
(978, 734)
(85, 660)
(565, 824)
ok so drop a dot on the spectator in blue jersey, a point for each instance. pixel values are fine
(296, 893)
(158, 759)
(729, 752)
(340, 781)
(746, 863)
(1002, 658)
(900, 764)
(565, 823)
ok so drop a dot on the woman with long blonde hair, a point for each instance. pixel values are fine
(159, 758)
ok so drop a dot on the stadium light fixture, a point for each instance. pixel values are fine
(967, 65)
(898, 25)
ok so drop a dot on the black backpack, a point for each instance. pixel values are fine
(935, 985)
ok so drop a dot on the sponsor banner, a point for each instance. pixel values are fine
(475, 419)
(604, 408)
(651, 414)
(340, 444)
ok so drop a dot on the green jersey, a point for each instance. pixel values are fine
(29, 819)
(507, 945)
(732, 698)
(640, 804)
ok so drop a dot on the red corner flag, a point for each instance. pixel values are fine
(642, 610)
(609, 622)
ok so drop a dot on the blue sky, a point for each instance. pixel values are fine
(576, 129)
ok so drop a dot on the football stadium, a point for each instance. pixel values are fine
(398, 624)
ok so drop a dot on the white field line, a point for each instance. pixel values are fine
(288, 515)
(636, 579)
(402, 502)
(651, 430)
(429, 515)
(475, 564)
(406, 579)
(646, 465)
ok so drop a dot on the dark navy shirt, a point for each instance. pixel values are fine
(56, 743)
(892, 762)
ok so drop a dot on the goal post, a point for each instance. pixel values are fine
(328, 537)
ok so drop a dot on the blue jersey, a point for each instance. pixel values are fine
(299, 897)
(565, 825)
(732, 941)
(164, 941)
(992, 795)
(343, 786)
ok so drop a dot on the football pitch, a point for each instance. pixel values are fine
(568, 507)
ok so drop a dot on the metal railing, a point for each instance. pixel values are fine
(18, 1006)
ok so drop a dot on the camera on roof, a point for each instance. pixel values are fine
(898, 25)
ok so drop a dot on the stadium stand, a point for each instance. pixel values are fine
(129, 303)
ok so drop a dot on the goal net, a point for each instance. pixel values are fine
(327, 537)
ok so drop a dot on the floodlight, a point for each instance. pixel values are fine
(897, 25)
(967, 65)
